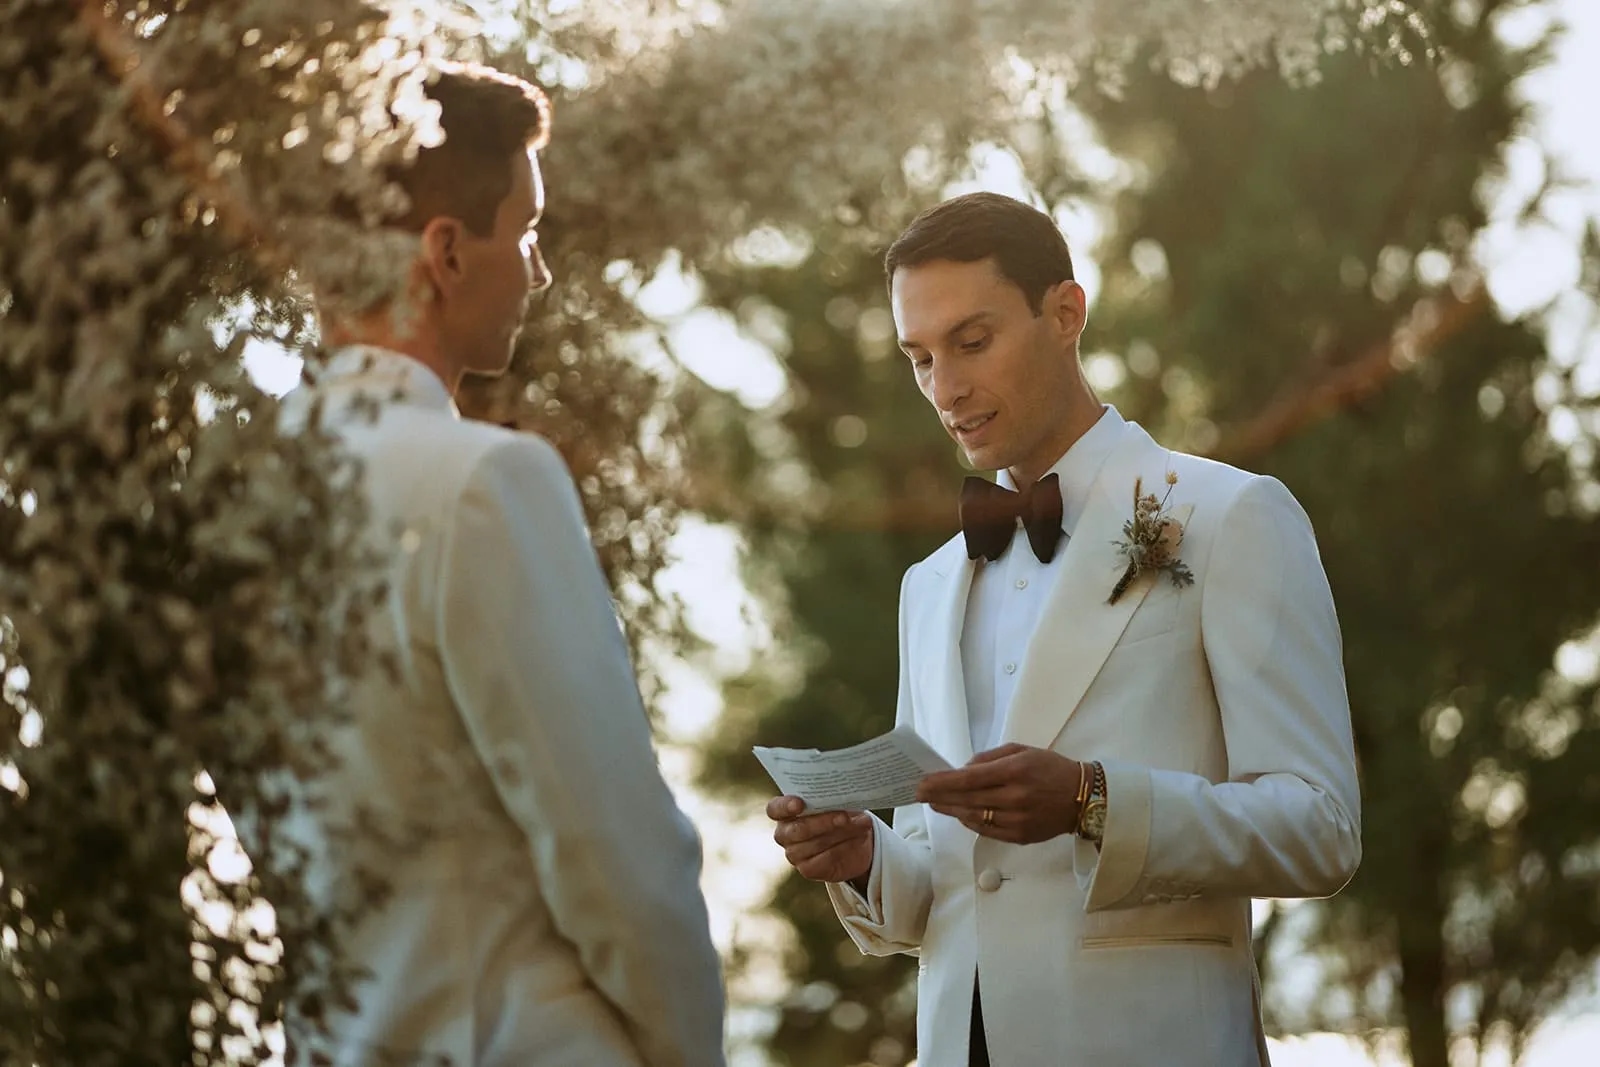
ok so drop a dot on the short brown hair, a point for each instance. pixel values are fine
(487, 116)
(1023, 241)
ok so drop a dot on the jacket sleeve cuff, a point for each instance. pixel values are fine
(1111, 873)
(865, 917)
(849, 901)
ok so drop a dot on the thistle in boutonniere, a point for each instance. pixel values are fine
(1150, 540)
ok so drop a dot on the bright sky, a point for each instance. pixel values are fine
(1527, 269)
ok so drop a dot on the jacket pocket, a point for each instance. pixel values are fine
(1156, 941)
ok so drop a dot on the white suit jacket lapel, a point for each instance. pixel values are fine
(1078, 629)
(946, 727)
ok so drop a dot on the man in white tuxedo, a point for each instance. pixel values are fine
(541, 900)
(1150, 755)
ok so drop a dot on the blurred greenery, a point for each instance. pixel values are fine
(181, 588)
(1288, 284)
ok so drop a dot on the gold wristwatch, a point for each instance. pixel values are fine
(1092, 815)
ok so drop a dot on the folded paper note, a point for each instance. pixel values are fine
(874, 775)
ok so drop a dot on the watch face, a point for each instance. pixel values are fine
(1094, 818)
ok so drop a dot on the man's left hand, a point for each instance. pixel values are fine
(1029, 794)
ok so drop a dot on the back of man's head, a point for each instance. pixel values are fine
(439, 277)
(488, 117)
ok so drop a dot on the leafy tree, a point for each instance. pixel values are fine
(165, 570)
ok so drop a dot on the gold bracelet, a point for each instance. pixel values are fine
(1085, 782)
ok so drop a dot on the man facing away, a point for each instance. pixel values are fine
(542, 898)
(1152, 749)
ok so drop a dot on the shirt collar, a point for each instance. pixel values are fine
(1080, 467)
(369, 368)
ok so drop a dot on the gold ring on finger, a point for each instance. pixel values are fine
(988, 816)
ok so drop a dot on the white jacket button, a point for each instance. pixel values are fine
(989, 879)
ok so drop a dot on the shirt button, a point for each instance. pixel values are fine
(1011, 668)
(989, 879)
(1022, 583)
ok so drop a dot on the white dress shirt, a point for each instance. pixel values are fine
(1009, 593)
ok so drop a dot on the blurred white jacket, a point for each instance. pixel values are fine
(544, 906)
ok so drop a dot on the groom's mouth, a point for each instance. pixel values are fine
(971, 430)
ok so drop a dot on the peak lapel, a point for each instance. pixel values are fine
(946, 727)
(1078, 629)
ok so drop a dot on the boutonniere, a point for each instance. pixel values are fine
(1151, 539)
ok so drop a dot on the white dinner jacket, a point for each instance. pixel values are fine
(1219, 712)
(544, 906)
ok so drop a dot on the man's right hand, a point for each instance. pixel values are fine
(829, 846)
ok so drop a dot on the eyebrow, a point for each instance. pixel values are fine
(971, 320)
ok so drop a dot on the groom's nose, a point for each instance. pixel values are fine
(948, 388)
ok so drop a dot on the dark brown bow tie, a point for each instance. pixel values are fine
(989, 515)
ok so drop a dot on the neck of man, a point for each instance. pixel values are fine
(417, 338)
(1083, 410)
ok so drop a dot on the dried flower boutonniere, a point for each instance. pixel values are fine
(1150, 540)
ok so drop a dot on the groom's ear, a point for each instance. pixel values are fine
(1067, 306)
(441, 252)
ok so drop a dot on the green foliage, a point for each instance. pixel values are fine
(169, 624)
(1451, 527)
